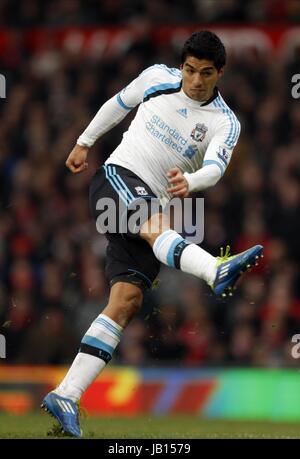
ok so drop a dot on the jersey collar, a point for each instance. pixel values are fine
(201, 104)
(213, 97)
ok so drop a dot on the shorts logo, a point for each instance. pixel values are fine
(141, 191)
(199, 132)
(223, 155)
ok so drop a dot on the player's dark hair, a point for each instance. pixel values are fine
(205, 45)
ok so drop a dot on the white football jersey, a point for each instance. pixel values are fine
(170, 129)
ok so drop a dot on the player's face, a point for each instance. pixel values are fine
(199, 77)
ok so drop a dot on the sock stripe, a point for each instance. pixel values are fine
(95, 342)
(178, 252)
(95, 352)
(108, 330)
(161, 239)
(108, 326)
(170, 255)
(111, 322)
(103, 334)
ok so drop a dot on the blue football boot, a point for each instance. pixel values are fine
(65, 411)
(230, 268)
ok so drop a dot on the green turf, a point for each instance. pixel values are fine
(38, 425)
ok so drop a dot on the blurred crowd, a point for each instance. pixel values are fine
(52, 282)
(32, 13)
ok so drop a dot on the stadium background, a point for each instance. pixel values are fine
(186, 351)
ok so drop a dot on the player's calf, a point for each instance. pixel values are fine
(124, 303)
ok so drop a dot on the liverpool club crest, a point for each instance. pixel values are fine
(199, 132)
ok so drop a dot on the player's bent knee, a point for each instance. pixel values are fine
(152, 228)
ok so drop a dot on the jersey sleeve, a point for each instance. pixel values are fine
(220, 148)
(217, 156)
(116, 108)
(147, 82)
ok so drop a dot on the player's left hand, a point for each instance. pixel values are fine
(178, 184)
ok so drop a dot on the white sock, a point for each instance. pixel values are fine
(84, 369)
(95, 351)
(171, 249)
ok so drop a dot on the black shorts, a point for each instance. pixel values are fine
(129, 258)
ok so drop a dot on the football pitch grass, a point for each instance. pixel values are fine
(38, 425)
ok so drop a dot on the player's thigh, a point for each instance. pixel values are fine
(130, 260)
(120, 201)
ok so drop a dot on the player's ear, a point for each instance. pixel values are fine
(181, 66)
(221, 72)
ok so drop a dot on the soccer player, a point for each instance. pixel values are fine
(181, 140)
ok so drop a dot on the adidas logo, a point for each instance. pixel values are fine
(65, 406)
(182, 112)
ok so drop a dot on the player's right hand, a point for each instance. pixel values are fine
(76, 161)
(178, 185)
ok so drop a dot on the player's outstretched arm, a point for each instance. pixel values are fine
(115, 109)
(77, 159)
